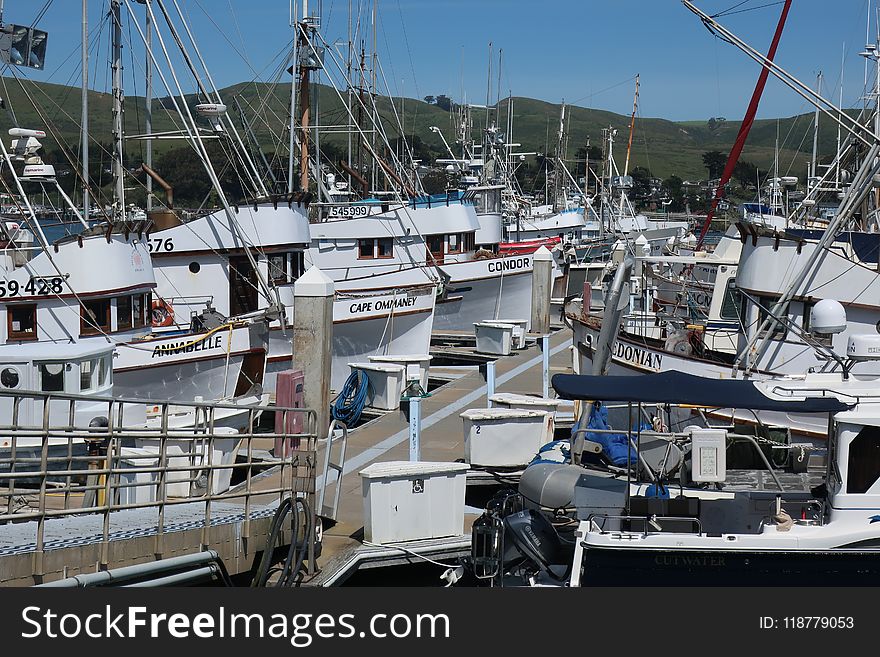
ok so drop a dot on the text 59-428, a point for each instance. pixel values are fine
(35, 287)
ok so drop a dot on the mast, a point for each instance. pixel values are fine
(746, 125)
(148, 102)
(85, 108)
(812, 176)
(116, 66)
(293, 20)
(305, 102)
(632, 125)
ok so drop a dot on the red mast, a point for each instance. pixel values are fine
(745, 127)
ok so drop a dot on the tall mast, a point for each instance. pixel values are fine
(632, 125)
(489, 85)
(840, 104)
(148, 106)
(85, 109)
(305, 103)
(812, 175)
(116, 66)
(292, 20)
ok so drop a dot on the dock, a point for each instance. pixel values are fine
(386, 439)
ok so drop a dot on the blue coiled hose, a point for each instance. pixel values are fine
(351, 401)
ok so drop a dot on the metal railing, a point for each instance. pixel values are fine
(597, 523)
(63, 456)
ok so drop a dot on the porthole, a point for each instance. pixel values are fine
(194, 267)
(9, 377)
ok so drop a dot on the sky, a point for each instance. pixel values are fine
(585, 52)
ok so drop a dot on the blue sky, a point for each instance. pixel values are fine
(583, 51)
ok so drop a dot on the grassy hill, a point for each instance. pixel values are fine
(665, 147)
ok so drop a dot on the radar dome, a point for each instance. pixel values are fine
(828, 317)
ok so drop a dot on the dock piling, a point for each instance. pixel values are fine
(312, 337)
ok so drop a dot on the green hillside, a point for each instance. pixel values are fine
(664, 147)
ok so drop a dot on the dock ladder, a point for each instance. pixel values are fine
(328, 511)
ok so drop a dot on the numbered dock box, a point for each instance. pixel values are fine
(137, 479)
(422, 360)
(494, 338)
(413, 500)
(504, 437)
(526, 402)
(386, 384)
(520, 328)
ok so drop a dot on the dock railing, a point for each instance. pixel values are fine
(63, 456)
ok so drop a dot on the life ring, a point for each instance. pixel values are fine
(162, 313)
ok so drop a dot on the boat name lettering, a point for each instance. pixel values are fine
(187, 346)
(506, 264)
(638, 356)
(382, 304)
(35, 287)
(689, 560)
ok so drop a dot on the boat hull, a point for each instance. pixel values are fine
(609, 567)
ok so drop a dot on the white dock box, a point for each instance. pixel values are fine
(412, 500)
(386, 384)
(422, 360)
(193, 453)
(525, 402)
(494, 338)
(136, 487)
(520, 328)
(504, 437)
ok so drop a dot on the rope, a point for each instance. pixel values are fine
(351, 401)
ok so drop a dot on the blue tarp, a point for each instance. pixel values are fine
(615, 446)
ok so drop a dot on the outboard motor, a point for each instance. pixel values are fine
(539, 545)
(489, 552)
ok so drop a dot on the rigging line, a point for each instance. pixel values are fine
(736, 6)
(50, 126)
(601, 91)
(741, 11)
(42, 12)
(223, 33)
(201, 152)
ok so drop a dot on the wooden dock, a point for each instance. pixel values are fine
(386, 439)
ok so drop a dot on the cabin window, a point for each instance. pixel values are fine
(139, 305)
(455, 243)
(297, 265)
(123, 313)
(95, 317)
(766, 305)
(21, 322)
(470, 241)
(384, 247)
(243, 290)
(87, 371)
(732, 304)
(105, 371)
(51, 377)
(366, 249)
(435, 248)
(863, 468)
(375, 248)
(278, 269)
